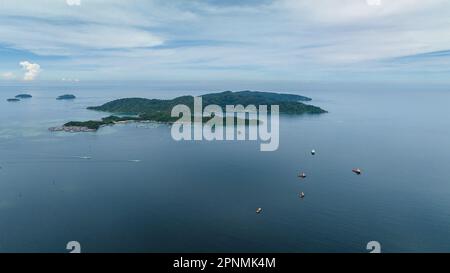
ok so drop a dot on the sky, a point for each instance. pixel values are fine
(200, 40)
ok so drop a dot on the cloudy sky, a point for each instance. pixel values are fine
(320, 40)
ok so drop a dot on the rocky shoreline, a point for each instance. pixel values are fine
(71, 129)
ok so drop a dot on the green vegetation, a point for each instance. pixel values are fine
(160, 110)
(95, 124)
(289, 104)
(66, 97)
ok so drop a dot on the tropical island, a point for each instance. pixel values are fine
(156, 110)
(66, 97)
(13, 100)
(24, 96)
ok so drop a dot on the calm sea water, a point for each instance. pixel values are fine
(202, 196)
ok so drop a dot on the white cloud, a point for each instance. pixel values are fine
(73, 2)
(50, 39)
(31, 70)
(58, 30)
(177, 38)
(8, 75)
(359, 11)
(373, 2)
(70, 80)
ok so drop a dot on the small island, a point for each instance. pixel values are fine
(24, 96)
(156, 110)
(66, 97)
(93, 125)
(13, 100)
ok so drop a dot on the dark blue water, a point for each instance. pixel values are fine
(202, 196)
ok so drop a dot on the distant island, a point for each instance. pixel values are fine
(13, 100)
(66, 97)
(24, 96)
(156, 110)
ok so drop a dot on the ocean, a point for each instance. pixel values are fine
(141, 191)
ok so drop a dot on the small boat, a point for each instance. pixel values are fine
(302, 175)
(313, 152)
(258, 210)
(134, 160)
(302, 195)
(357, 171)
(85, 157)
